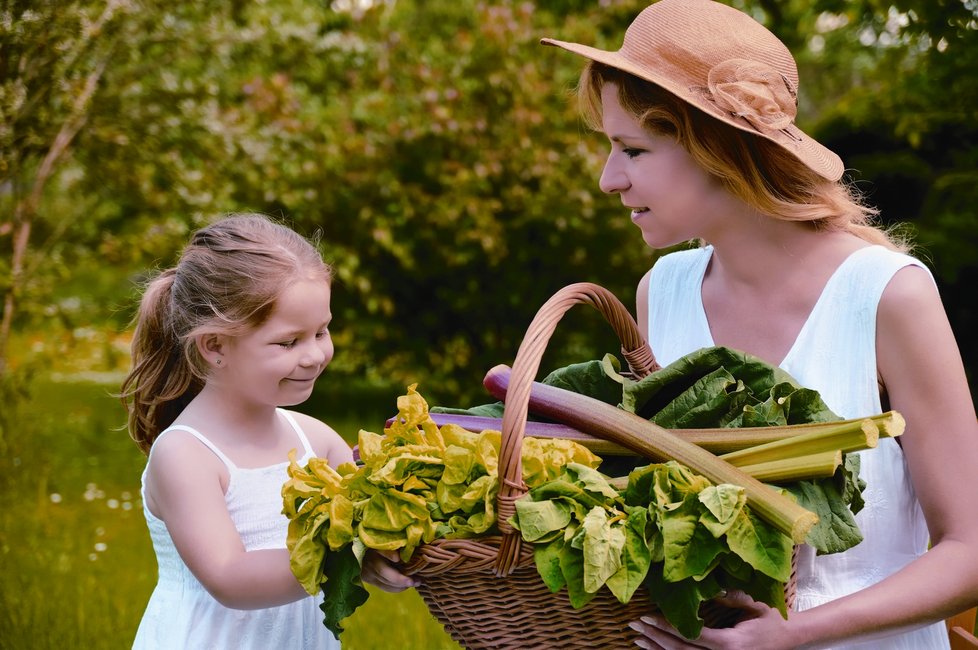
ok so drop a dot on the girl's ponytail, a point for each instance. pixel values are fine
(161, 382)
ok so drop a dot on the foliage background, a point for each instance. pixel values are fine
(436, 146)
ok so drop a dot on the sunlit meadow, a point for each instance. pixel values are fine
(76, 561)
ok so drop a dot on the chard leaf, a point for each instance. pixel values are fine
(546, 459)
(572, 567)
(717, 397)
(370, 447)
(735, 567)
(722, 503)
(689, 549)
(852, 484)
(343, 592)
(563, 487)
(307, 552)
(340, 530)
(590, 378)
(382, 540)
(538, 518)
(760, 545)
(761, 588)
(393, 510)
(680, 601)
(603, 544)
(836, 529)
(591, 480)
(635, 557)
(459, 463)
(547, 558)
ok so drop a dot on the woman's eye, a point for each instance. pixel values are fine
(631, 152)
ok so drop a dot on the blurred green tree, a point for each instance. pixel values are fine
(437, 147)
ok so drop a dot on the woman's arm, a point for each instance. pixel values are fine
(184, 490)
(921, 367)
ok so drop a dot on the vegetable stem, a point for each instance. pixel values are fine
(819, 465)
(848, 436)
(652, 441)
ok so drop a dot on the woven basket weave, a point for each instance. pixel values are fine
(486, 592)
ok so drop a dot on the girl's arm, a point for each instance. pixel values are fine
(184, 489)
(325, 441)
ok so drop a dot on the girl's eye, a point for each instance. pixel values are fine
(323, 333)
(288, 344)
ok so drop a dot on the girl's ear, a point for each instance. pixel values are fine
(212, 348)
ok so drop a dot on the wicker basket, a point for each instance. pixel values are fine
(486, 591)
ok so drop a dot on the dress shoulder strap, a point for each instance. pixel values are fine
(299, 432)
(197, 434)
(676, 320)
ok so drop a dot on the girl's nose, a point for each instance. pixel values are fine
(613, 179)
(314, 354)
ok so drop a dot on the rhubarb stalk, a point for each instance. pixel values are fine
(654, 442)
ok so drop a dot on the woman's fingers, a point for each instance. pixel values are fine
(658, 634)
(738, 599)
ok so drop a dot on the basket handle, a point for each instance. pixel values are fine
(634, 348)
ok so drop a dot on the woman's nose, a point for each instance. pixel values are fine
(613, 179)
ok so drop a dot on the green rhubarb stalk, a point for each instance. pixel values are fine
(799, 468)
(789, 470)
(656, 443)
(850, 435)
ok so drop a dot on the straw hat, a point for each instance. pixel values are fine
(724, 63)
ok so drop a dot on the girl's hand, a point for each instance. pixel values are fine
(763, 628)
(379, 570)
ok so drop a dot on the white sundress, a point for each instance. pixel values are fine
(182, 615)
(835, 354)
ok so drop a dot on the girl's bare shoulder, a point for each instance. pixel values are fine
(325, 440)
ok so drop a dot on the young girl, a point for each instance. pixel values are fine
(239, 328)
(699, 106)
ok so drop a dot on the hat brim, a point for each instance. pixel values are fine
(820, 159)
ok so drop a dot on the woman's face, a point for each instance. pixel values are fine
(671, 198)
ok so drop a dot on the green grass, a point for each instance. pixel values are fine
(76, 561)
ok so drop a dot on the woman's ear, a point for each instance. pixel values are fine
(212, 348)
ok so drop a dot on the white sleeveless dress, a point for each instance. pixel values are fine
(835, 354)
(182, 615)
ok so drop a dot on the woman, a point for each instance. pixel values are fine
(699, 106)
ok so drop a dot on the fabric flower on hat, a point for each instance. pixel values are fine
(754, 91)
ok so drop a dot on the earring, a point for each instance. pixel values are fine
(218, 362)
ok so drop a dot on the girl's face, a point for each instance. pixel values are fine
(671, 198)
(278, 363)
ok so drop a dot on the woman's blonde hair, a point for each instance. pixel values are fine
(227, 281)
(757, 171)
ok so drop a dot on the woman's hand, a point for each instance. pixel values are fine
(763, 628)
(379, 570)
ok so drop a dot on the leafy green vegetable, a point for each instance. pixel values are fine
(669, 529)
(720, 387)
(417, 483)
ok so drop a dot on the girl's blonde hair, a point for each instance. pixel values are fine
(227, 281)
(757, 171)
